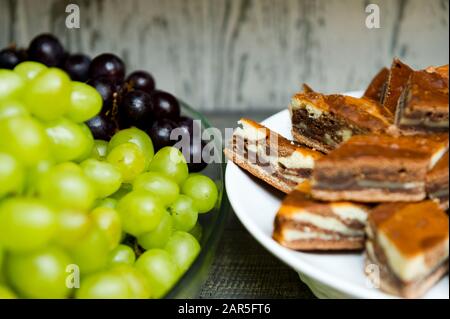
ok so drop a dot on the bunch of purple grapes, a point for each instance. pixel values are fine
(128, 100)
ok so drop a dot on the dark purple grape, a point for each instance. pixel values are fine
(141, 80)
(77, 66)
(187, 124)
(136, 109)
(165, 105)
(23, 54)
(107, 89)
(47, 49)
(194, 156)
(107, 65)
(63, 60)
(102, 127)
(160, 131)
(195, 160)
(9, 58)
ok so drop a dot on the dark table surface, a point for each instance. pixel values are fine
(242, 268)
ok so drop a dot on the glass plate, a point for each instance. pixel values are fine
(212, 224)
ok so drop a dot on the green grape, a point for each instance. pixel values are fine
(137, 283)
(183, 248)
(91, 252)
(100, 150)
(73, 225)
(70, 167)
(6, 293)
(184, 213)
(140, 212)
(29, 69)
(104, 285)
(25, 139)
(122, 254)
(35, 175)
(39, 274)
(158, 238)
(137, 137)
(129, 159)
(107, 202)
(12, 108)
(202, 190)
(85, 102)
(67, 188)
(89, 143)
(25, 224)
(11, 84)
(159, 185)
(123, 190)
(159, 269)
(12, 175)
(170, 162)
(68, 140)
(48, 94)
(105, 177)
(108, 220)
(197, 231)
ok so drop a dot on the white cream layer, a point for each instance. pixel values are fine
(350, 211)
(406, 268)
(326, 223)
(294, 234)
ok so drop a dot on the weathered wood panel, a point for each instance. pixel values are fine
(240, 54)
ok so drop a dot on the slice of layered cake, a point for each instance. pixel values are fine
(303, 223)
(378, 168)
(398, 78)
(408, 243)
(423, 105)
(377, 87)
(269, 156)
(324, 121)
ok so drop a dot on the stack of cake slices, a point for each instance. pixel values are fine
(368, 174)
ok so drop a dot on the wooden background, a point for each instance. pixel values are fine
(242, 54)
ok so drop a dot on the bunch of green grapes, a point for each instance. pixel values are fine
(69, 204)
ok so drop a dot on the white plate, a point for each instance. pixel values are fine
(329, 275)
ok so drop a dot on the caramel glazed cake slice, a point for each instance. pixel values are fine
(269, 156)
(325, 121)
(423, 104)
(378, 168)
(407, 247)
(305, 224)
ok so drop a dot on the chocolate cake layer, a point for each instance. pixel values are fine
(378, 168)
(398, 77)
(377, 87)
(423, 105)
(409, 244)
(305, 224)
(324, 121)
(437, 182)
